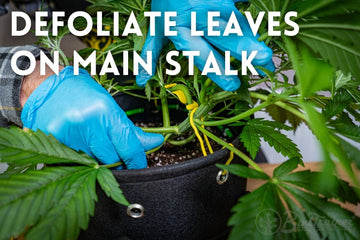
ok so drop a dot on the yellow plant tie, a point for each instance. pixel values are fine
(192, 106)
(180, 94)
(207, 139)
(197, 132)
(231, 157)
(170, 85)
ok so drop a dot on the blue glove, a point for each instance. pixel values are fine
(185, 42)
(83, 115)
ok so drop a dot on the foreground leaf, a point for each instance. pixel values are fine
(43, 198)
(21, 148)
(256, 215)
(281, 209)
(72, 211)
(110, 186)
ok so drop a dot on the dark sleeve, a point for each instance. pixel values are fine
(10, 83)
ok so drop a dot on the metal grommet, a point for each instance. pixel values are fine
(221, 178)
(135, 210)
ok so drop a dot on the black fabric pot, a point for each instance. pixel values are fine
(181, 201)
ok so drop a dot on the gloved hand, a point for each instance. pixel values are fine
(83, 115)
(185, 42)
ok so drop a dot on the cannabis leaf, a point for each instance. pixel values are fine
(281, 115)
(353, 153)
(281, 209)
(337, 104)
(258, 128)
(313, 74)
(57, 200)
(148, 91)
(21, 148)
(71, 211)
(330, 28)
(110, 186)
(346, 127)
(54, 202)
(340, 33)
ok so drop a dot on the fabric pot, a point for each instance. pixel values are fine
(180, 201)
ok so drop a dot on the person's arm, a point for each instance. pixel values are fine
(32, 81)
(11, 83)
(76, 110)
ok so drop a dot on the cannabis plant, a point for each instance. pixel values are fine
(55, 199)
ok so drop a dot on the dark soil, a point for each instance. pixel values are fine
(171, 154)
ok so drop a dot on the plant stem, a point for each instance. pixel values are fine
(182, 142)
(167, 136)
(202, 110)
(231, 148)
(235, 118)
(137, 95)
(280, 104)
(169, 129)
(207, 84)
(117, 164)
(165, 107)
(65, 59)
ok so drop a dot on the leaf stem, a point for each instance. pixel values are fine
(182, 142)
(113, 165)
(280, 104)
(235, 118)
(242, 155)
(169, 129)
(165, 107)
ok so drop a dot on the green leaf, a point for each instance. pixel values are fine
(257, 128)
(340, 81)
(337, 105)
(328, 218)
(353, 152)
(309, 7)
(338, 7)
(313, 74)
(308, 180)
(22, 148)
(302, 222)
(256, 216)
(352, 88)
(251, 141)
(72, 211)
(281, 209)
(282, 116)
(287, 166)
(148, 90)
(335, 39)
(17, 169)
(139, 41)
(328, 142)
(346, 127)
(110, 186)
(243, 171)
(27, 199)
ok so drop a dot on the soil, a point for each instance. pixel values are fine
(171, 154)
